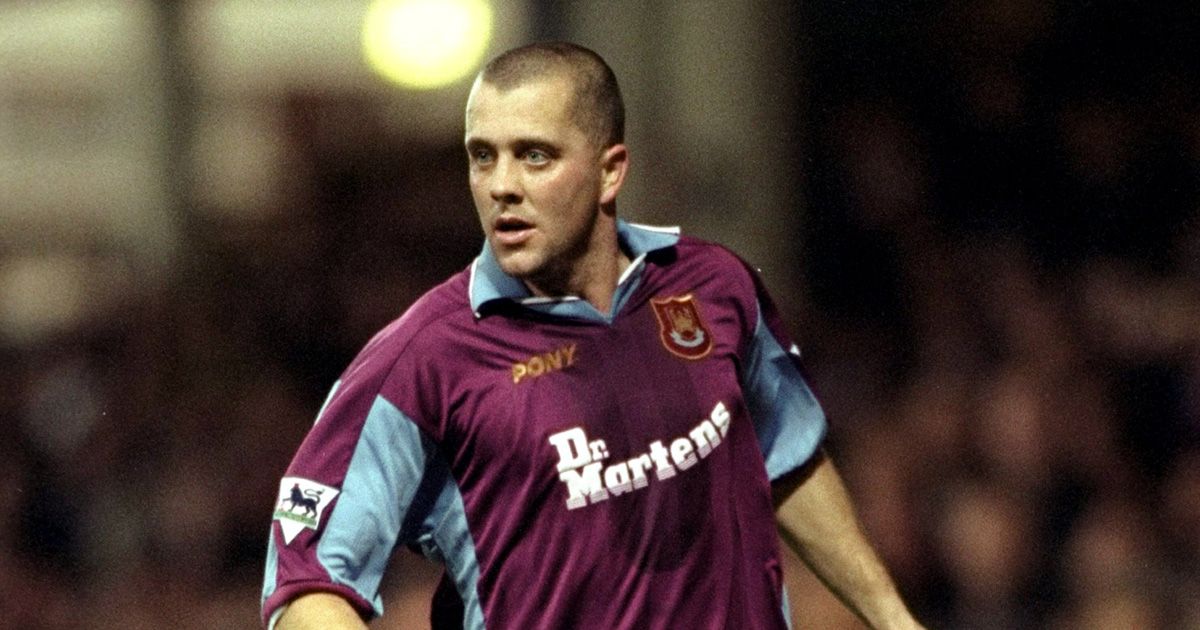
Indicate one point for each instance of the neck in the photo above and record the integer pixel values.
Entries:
(593, 276)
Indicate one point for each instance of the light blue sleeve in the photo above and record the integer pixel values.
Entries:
(385, 496)
(396, 464)
(788, 419)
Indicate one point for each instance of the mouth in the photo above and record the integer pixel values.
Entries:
(511, 230)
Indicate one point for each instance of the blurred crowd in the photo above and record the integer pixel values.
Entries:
(1001, 315)
(1003, 253)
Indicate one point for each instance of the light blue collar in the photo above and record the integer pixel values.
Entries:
(489, 282)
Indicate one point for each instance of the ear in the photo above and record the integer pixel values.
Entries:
(614, 163)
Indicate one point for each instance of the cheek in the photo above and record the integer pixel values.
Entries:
(479, 192)
(475, 181)
(570, 193)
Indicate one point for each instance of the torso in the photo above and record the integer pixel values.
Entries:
(609, 470)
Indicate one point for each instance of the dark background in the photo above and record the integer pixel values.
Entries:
(994, 252)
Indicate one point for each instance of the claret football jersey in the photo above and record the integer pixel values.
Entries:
(571, 468)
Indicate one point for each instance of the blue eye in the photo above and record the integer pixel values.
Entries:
(537, 157)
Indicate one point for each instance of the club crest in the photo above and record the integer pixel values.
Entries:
(300, 505)
(680, 327)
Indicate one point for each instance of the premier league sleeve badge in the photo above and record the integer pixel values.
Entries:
(301, 502)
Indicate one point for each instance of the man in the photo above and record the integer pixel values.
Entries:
(595, 425)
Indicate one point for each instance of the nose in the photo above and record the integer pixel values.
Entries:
(505, 184)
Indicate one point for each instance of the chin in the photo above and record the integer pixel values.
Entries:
(519, 266)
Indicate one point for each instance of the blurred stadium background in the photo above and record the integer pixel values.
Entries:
(980, 218)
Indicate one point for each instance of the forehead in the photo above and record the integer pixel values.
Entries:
(533, 108)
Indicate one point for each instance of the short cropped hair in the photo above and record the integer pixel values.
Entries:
(597, 109)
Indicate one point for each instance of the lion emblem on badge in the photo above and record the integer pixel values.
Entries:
(300, 504)
(681, 328)
(307, 499)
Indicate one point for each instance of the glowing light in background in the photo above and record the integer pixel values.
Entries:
(425, 44)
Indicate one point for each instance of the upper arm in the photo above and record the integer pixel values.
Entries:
(379, 474)
(786, 484)
(812, 506)
(318, 611)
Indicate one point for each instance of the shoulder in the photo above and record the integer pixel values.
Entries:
(396, 366)
(722, 284)
(423, 324)
(697, 250)
(716, 261)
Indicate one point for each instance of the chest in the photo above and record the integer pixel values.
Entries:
(544, 397)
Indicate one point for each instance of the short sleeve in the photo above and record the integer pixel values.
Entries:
(364, 479)
(788, 419)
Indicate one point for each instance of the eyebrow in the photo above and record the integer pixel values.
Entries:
(520, 145)
(476, 143)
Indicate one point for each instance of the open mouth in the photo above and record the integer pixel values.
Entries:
(511, 224)
(511, 230)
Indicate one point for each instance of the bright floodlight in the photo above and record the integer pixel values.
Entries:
(426, 43)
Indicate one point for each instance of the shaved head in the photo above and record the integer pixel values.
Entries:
(596, 107)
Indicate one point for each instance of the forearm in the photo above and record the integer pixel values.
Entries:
(319, 611)
(817, 520)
